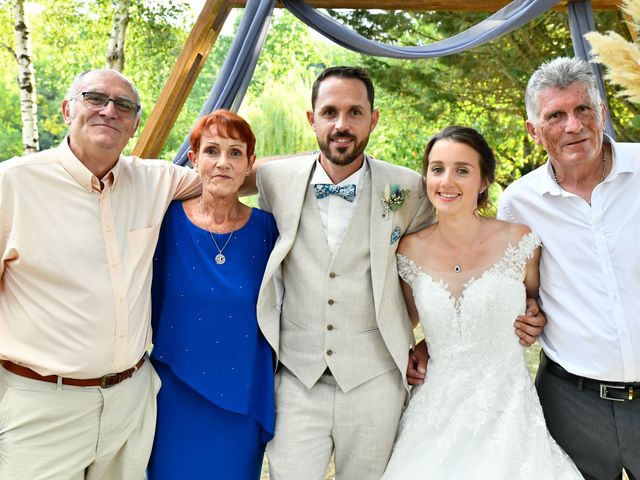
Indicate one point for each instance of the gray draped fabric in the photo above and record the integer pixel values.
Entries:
(505, 20)
(580, 22)
(237, 69)
(241, 60)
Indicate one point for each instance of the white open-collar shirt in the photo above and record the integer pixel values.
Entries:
(589, 266)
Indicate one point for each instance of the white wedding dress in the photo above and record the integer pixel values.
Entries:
(477, 416)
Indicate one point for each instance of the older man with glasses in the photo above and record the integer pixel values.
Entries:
(78, 228)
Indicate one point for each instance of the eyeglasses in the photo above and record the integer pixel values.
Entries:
(97, 99)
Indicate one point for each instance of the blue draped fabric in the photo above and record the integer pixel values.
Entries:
(241, 60)
(505, 20)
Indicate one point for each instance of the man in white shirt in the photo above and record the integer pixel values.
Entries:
(79, 225)
(584, 203)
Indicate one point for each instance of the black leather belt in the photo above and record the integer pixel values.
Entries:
(616, 391)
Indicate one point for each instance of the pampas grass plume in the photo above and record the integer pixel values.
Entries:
(632, 8)
(622, 58)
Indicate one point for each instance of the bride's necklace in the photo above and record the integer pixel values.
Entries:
(458, 259)
(219, 258)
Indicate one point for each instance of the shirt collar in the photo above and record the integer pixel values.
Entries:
(619, 165)
(548, 182)
(82, 174)
(320, 175)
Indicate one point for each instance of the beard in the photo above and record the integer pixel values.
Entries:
(342, 156)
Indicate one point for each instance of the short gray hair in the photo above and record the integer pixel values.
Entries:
(560, 73)
(77, 83)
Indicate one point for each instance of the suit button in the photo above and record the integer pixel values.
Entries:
(330, 302)
(329, 352)
(332, 275)
(329, 327)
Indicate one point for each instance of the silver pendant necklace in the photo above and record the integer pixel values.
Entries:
(219, 258)
(458, 268)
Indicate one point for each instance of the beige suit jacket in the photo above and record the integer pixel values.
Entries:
(282, 186)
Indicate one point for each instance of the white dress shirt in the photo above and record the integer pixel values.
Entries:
(589, 266)
(335, 211)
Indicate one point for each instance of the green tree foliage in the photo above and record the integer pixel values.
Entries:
(277, 116)
(10, 127)
(11, 136)
(72, 36)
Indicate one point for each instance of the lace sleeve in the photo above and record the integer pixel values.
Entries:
(407, 269)
(516, 258)
(526, 246)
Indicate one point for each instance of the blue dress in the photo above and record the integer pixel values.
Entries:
(216, 404)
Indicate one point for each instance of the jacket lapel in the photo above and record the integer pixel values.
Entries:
(296, 185)
(380, 233)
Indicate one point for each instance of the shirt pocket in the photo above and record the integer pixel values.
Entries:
(142, 245)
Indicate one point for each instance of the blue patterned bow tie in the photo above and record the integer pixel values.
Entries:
(348, 192)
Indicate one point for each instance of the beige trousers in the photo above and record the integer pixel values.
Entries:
(51, 432)
(359, 425)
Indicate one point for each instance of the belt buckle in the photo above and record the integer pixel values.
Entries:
(604, 392)
(109, 380)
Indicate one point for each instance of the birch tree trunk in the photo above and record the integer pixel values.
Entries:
(26, 80)
(115, 53)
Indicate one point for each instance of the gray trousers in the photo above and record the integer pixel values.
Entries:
(601, 436)
(359, 426)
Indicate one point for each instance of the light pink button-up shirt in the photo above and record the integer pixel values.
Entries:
(77, 259)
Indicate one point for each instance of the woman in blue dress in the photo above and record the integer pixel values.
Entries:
(215, 407)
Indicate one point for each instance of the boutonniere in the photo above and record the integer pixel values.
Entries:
(393, 198)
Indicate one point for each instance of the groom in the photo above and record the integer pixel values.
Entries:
(341, 329)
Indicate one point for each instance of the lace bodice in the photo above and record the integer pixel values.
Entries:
(477, 416)
(476, 325)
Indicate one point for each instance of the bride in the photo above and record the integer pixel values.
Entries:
(465, 278)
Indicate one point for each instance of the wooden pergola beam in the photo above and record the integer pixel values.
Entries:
(425, 5)
(182, 78)
(210, 22)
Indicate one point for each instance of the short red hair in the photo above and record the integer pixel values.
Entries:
(228, 125)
